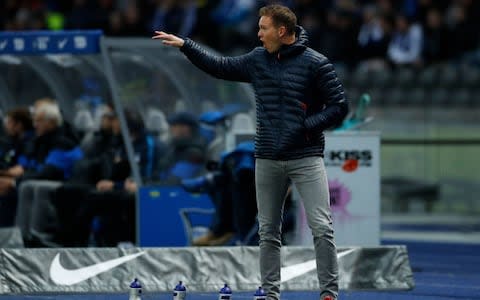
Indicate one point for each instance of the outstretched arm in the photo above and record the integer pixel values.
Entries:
(228, 68)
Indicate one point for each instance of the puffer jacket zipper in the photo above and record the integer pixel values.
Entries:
(282, 98)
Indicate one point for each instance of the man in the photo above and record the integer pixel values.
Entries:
(19, 130)
(110, 200)
(298, 96)
(186, 151)
(43, 167)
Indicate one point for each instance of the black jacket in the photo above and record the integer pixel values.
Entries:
(50, 157)
(298, 95)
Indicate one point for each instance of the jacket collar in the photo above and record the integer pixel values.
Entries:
(297, 47)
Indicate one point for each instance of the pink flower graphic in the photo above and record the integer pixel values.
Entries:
(340, 197)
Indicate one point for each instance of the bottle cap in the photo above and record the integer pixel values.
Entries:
(260, 292)
(135, 284)
(180, 287)
(226, 290)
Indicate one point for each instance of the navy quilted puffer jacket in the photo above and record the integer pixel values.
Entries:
(298, 95)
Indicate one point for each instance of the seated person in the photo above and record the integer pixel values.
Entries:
(110, 199)
(186, 150)
(48, 161)
(231, 187)
(19, 132)
(232, 191)
(66, 128)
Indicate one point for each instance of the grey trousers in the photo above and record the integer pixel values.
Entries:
(309, 176)
(36, 216)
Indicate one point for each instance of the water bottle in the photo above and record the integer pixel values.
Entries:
(135, 290)
(179, 292)
(260, 294)
(225, 293)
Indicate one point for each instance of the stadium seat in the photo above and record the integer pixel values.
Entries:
(415, 97)
(380, 78)
(460, 97)
(403, 78)
(448, 76)
(156, 123)
(403, 190)
(242, 122)
(469, 77)
(242, 128)
(427, 78)
(439, 96)
(83, 121)
(394, 96)
(475, 97)
(208, 105)
(181, 105)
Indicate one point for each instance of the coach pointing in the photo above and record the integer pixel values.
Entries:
(298, 96)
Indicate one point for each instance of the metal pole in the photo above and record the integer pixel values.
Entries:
(112, 82)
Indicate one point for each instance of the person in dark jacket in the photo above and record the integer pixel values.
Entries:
(19, 133)
(185, 153)
(102, 213)
(298, 96)
(49, 162)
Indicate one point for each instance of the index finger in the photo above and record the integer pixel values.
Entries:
(159, 34)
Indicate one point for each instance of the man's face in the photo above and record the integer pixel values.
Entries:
(42, 124)
(402, 24)
(106, 124)
(12, 128)
(268, 34)
(115, 125)
(178, 131)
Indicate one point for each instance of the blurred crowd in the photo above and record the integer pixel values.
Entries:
(64, 186)
(56, 182)
(367, 33)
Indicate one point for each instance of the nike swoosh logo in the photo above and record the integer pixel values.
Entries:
(293, 271)
(62, 276)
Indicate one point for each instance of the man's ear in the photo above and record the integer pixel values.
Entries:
(282, 30)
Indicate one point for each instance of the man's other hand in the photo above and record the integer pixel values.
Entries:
(130, 185)
(105, 185)
(6, 184)
(16, 171)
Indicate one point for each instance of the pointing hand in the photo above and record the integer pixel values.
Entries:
(168, 39)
